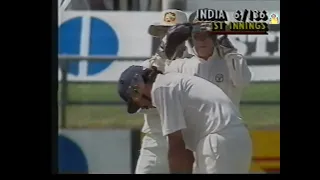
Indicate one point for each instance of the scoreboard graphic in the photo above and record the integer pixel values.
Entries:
(246, 21)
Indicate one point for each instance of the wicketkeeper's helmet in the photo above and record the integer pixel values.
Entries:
(221, 42)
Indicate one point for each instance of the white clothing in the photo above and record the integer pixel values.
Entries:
(237, 77)
(231, 74)
(210, 123)
(153, 157)
(153, 154)
(151, 116)
(225, 152)
(193, 105)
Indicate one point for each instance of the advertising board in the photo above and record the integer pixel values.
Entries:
(94, 151)
(111, 151)
(91, 33)
(266, 151)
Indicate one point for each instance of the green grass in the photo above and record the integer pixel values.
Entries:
(84, 116)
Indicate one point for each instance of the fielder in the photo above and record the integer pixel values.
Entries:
(196, 116)
(153, 153)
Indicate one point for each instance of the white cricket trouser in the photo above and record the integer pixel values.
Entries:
(226, 152)
(153, 157)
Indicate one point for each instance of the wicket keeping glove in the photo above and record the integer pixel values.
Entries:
(175, 36)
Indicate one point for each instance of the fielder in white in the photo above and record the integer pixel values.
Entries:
(153, 153)
(220, 64)
(196, 117)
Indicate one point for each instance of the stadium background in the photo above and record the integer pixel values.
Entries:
(91, 109)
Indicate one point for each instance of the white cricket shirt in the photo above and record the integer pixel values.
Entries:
(151, 117)
(231, 74)
(193, 105)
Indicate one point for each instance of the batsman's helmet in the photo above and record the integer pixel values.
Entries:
(127, 86)
(130, 82)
